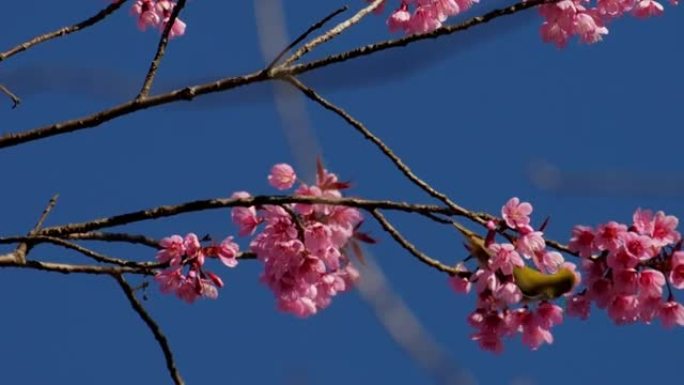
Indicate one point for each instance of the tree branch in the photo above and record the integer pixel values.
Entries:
(161, 49)
(188, 93)
(154, 328)
(63, 31)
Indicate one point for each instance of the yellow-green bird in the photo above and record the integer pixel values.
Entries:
(534, 284)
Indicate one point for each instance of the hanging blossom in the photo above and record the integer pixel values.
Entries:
(185, 275)
(304, 247)
(586, 19)
(628, 268)
(156, 14)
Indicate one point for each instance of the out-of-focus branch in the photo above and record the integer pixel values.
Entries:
(63, 31)
(154, 328)
(161, 49)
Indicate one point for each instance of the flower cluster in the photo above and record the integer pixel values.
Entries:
(418, 16)
(627, 268)
(563, 19)
(181, 252)
(156, 14)
(507, 288)
(304, 247)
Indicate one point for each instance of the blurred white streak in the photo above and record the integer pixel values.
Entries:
(273, 37)
(395, 316)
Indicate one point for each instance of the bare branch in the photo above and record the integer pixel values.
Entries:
(115, 237)
(387, 226)
(19, 254)
(338, 29)
(361, 128)
(219, 203)
(15, 99)
(303, 36)
(161, 49)
(154, 328)
(66, 268)
(63, 31)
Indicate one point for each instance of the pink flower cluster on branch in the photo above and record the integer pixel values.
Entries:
(628, 267)
(156, 14)
(188, 252)
(586, 19)
(305, 248)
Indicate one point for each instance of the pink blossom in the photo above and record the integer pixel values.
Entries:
(282, 176)
(169, 280)
(227, 252)
(172, 250)
(601, 291)
(193, 248)
(623, 309)
(648, 8)
(509, 293)
(244, 217)
(578, 306)
(643, 221)
(614, 8)
(516, 214)
(550, 261)
(640, 246)
(157, 13)
(622, 259)
(460, 284)
(651, 283)
(671, 314)
(608, 236)
(582, 241)
(664, 232)
(530, 241)
(533, 334)
(504, 258)
(677, 271)
(626, 281)
(549, 314)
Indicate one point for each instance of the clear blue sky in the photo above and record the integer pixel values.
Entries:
(468, 113)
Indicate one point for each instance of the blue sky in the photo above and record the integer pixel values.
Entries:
(469, 114)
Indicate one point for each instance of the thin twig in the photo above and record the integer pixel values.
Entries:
(338, 29)
(394, 233)
(63, 31)
(190, 92)
(161, 49)
(66, 268)
(154, 328)
(115, 237)
(219, 203)
(99, 257)
(19, 254)
(15, 99)
(304, 35)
